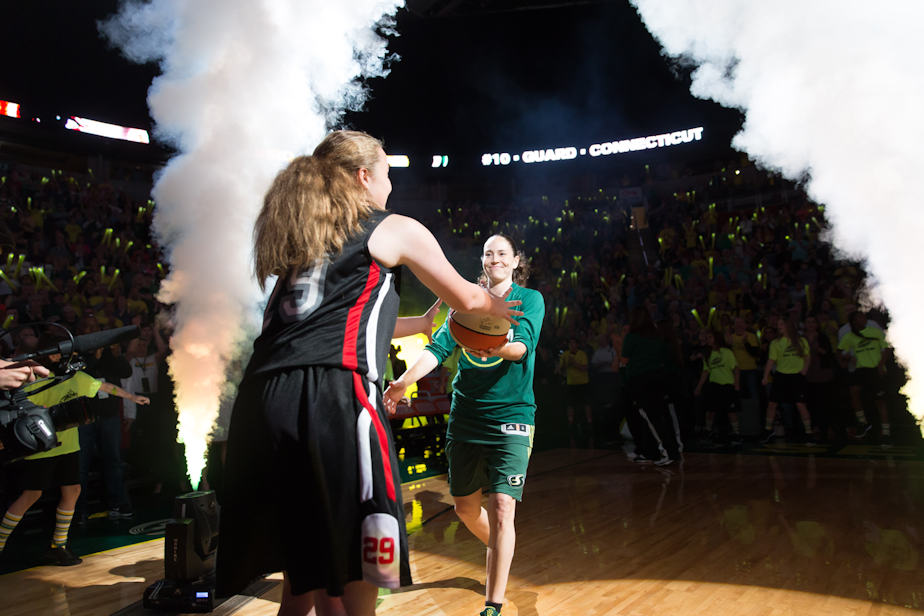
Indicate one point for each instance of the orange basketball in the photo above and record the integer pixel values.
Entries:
(477, 332)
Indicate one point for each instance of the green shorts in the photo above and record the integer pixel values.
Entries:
(497, 468)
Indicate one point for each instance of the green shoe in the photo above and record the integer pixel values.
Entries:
(489, 611)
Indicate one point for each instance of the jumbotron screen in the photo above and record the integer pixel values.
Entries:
(112, 131)
(8, 109)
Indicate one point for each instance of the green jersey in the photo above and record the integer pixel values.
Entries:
(867, 348)
(494, 398)
(787, 357)
(81, 384)
(721, 366)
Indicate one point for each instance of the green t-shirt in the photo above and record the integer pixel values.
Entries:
(492, 399)
(867, 348)
(644, 354)
(81, 384)
(787, 357)
(721, 366)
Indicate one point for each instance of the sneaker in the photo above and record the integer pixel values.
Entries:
(765, 436)
(121, 512)
(863, 430)
(642, 460)
(489, 611)
(708, 437)
(736, 439)
(664, 462)
(886, 441)
(63, 556)
(809, 440)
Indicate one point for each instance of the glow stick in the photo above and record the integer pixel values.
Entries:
(698, 320)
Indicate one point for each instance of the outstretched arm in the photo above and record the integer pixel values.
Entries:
(115, 390)
(399, 240)
(424, 324)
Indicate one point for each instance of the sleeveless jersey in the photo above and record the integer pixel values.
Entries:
(336, 313)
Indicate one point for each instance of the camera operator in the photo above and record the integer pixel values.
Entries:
(60, 466)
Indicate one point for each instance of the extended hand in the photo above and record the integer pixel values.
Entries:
(500, 307)
(393, 396)
(492, 352)
(141, 400)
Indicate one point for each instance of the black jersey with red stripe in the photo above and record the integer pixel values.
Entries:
(336, 313)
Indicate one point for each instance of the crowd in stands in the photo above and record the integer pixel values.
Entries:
(706, 269)
(84, 260)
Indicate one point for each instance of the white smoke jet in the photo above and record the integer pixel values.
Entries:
(833, 88)
(245, 85)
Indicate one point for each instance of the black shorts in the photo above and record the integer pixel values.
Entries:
(579, 395)
(721, 398)
(312, 485)
(788, 388)
(53, 472)
(869, 381)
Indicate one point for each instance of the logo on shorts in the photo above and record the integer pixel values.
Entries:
(515, 481)
(518, 429)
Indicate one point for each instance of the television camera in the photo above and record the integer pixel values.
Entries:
(25, 428)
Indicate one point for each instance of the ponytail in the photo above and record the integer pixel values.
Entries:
(314, 205)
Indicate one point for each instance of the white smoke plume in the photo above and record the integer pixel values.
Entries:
(832, 88)
(245, 85)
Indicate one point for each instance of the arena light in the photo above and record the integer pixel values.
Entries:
(102, 129)
(606, 148)
(439, 161)
(399, 161)
(8, 109)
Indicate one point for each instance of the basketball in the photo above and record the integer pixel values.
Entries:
(477, 332)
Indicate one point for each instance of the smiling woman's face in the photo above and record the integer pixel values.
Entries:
(498, 259)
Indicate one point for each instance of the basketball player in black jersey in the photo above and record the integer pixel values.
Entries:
(312, 482)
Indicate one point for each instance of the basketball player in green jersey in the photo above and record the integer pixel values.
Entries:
(492, 419)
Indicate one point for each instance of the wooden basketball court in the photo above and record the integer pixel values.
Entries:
(721, 534)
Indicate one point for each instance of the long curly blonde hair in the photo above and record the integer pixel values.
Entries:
(314, 205)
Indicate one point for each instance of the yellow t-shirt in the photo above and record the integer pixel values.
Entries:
(574, 375)
(787, 357)
(867, 347)
(746, 361)
(137, 306)
(81, 384)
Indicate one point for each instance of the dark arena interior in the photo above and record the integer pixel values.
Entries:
(564, 125)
